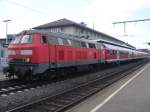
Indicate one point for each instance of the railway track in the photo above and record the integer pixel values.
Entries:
(9, 87)
(17, 87)
(4, 83)
(66, 99)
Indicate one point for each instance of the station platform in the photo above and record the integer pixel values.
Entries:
(130, 94)
(2, 76)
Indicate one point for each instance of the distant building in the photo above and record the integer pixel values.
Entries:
(144, 50)
(11, 37)
(3, 50)
(79, 29)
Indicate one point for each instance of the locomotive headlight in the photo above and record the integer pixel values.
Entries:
(28, 60)
(26, 52)
(11, 52)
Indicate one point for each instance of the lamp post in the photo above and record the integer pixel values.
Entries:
(6, 21)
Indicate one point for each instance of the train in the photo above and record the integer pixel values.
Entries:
(38, 53)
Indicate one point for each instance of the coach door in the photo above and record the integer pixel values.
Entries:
(118, 54)
(103, 53)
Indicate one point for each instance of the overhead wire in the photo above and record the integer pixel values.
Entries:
(92, 5)
(26, 7)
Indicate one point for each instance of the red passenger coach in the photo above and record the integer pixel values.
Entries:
(36, 53)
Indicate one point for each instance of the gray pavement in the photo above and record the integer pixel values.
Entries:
(135, 97)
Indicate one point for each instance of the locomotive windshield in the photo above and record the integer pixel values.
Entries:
(17, 40)
(26, 39)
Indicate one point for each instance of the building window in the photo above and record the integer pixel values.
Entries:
(62, 29)
(82, 30)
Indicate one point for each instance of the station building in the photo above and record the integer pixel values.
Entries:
(79, 30)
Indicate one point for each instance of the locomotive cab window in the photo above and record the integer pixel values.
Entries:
(27, 39)
(17, 40)
(43, 39)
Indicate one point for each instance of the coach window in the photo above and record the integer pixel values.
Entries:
(91, 45)
(83, 44)
(43, 39)
(53, 41)
(115, 53)
(110, 52)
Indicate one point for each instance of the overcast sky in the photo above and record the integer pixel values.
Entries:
(26, 14)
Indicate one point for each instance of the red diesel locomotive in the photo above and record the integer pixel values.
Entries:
(34, 53)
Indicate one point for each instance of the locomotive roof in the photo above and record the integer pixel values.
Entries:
(72, 37)
(58, 35)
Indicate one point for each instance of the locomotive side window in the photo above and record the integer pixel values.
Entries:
(75, 43)
(65, 42)
(69, 41)
(53, 41)
(91, 45)
(98, 46)
(60, 41)
(43, 39)
(83, 44)
(26, 39)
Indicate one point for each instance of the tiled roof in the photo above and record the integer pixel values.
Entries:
(61, 22)
(66, 22)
